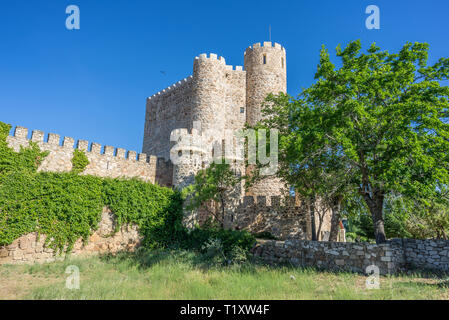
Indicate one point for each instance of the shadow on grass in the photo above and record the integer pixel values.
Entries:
(145, 258)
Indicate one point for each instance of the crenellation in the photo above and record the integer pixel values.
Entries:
(132, 155)
(142, 157)
(21, 132)
(267, 44)
(82, 145)
(68, 142)
(95, 148)
(37, 136)
(53, 139)
(109, 151)
(121, 153)
(152, 160)
(104, 164)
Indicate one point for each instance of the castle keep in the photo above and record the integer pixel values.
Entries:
(217, 97)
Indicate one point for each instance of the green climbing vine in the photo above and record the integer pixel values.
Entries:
(68, 206)
(79, 161)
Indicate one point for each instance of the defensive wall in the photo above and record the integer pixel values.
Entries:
(104, 162)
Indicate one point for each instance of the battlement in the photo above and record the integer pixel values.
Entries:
(266, 44)
(54, 140)
(220, 60)
(276, 202)
(282, 217)
(107, 161)
(171, 88)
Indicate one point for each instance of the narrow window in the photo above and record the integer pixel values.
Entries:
(282, 63)
(264, 59)
(242, 110)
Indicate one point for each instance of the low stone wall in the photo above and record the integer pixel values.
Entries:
(30, 248)
(424, 254)
(391, 257)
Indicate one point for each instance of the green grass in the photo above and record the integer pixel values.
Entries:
(183, 275)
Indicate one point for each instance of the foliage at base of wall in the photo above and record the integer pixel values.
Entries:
(68, 206)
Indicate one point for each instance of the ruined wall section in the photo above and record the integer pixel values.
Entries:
(108, 162)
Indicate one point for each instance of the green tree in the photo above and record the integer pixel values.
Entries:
(384, 118)
(215, 183)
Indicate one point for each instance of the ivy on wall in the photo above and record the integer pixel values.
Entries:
(68, 206)
(79, 161)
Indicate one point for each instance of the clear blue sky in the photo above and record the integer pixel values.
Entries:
(92, 83)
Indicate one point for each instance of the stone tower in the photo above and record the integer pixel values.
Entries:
(216, 99)
(266, 72)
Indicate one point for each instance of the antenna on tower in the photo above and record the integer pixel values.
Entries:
(269, 31)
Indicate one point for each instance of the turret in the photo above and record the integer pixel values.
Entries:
(266, 72)
(209, 92)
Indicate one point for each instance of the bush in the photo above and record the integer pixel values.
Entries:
(231, 240)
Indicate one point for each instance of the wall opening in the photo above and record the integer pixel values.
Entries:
(264, 59)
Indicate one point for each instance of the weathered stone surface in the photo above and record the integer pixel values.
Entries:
(126, 239)
(390, 257)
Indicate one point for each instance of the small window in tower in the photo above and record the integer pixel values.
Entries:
(242, 110)
(264, 59)
(282, 63)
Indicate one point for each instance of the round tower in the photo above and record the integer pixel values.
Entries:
(209, 93)
(266, 72)
(187, 156)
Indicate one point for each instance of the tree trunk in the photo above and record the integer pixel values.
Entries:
(375, 205)
(312, 216)
(335, 219)
(222, 212)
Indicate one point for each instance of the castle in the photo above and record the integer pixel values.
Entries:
(215, 99)
(218, 98)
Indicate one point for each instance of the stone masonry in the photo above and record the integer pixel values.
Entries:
(30, 248)
(203, 108)
(215, 100)
(110, 162)
(394, 256)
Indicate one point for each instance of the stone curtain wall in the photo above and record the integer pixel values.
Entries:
(391, 257)
(30, 248)
(167, 110)
(111, 162)
(282, 217)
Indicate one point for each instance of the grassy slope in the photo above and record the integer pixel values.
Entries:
(177, 275)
